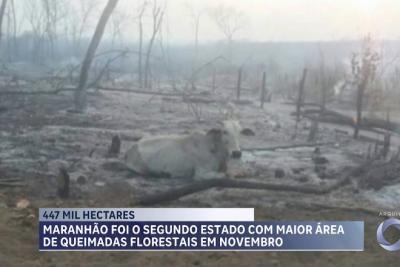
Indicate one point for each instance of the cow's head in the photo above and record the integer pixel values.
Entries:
(225, 139)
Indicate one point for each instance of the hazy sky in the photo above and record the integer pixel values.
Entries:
(274, 20)
(264, 20)
(297, 19)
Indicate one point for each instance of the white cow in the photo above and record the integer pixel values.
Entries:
(197, 155)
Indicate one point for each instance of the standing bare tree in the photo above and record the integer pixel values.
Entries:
(157, 16)
(33, 12)
(80, 92)
(2, 12)
(12, 44)
(229, 20)
(14, 19)
(363, 67)
(117, 21)
(54, 12)
(326, 79)
(80, 22)
(142, 9)
(196, 14)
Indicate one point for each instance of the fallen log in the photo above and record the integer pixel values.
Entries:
(187, 98)
(273, 148)
(98, 88)
(143, 92)
(305, 104)
(6, 180)
(36, 92)
(198, 186)
(12, 184)
(324, 207)
(198, 100)
(369, 124)
(370, 140)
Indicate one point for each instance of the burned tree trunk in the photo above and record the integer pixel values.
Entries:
(263, 88)
(300, 100)
(214, 79)
(198, 186)
(323, 97)
(158, 15)
(80, 93)
(63, 181)
(312, 135)
(140, 70)
(360, 97)
(115, 146)
(140, 52)
(364, 71)
(239, 84)
(300, 97)
(386, 145)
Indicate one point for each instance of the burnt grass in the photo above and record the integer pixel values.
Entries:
(38, 135)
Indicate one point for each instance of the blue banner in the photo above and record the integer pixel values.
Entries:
(267, 235)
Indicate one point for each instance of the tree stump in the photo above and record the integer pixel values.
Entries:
(63, 183)
(115, 146)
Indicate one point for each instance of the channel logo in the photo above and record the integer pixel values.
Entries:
(392, 222)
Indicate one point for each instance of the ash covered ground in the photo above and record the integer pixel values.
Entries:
(39, 135)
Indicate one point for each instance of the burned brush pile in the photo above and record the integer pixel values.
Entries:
(379, 174)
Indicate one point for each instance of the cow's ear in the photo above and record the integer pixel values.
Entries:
(215, 132)
(216, 137)
(247, 132)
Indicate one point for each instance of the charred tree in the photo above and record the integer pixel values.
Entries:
(239, 84)
(300, 100)
(140, 48)
(214, 78)
(198, 186)
(196, 14)
(158, 14)
(313, 131)
(363, 69)
(300, 97)
(12, 32)
(115, 146)
(263, 89)
(80, 93)
(229, 20)
(2, 12)
(386, 145)
(360, 96)
(63, 181)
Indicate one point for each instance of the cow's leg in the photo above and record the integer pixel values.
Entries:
(134, 161)
(202, 174)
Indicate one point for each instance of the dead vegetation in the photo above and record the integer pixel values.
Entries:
(64, 133)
